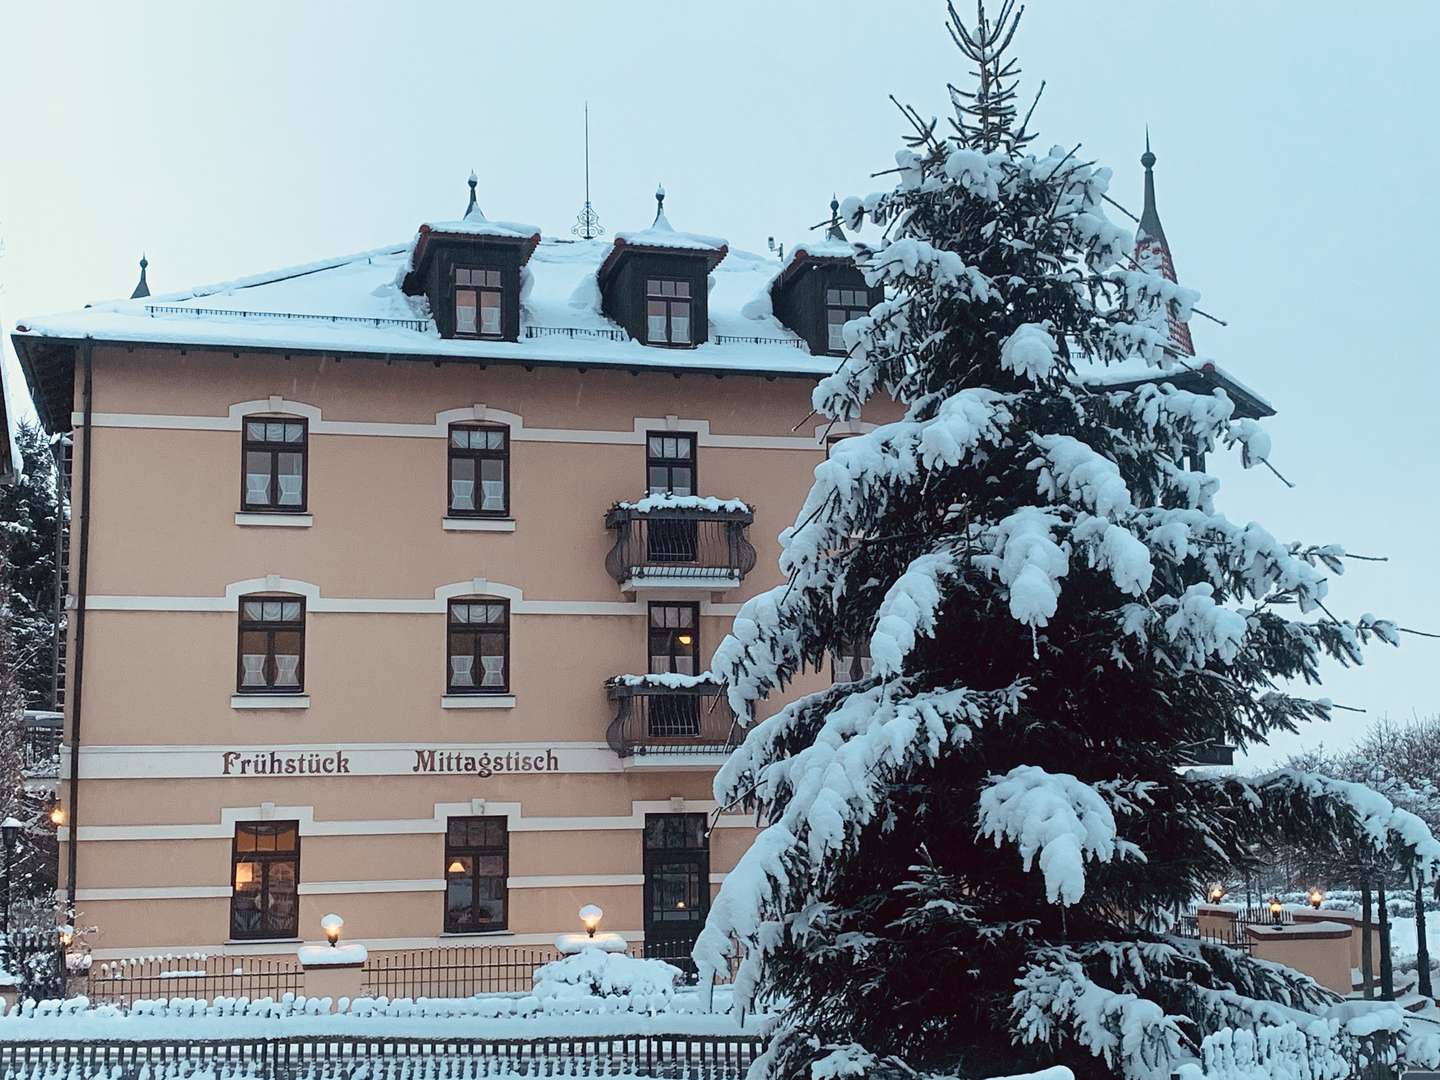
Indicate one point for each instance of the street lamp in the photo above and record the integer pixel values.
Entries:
(1276, 907)
(1316, 898)
(332, 924)
(1217, 893)
(590, 916)
(57, 815)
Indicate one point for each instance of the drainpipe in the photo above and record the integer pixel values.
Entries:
(76, 678)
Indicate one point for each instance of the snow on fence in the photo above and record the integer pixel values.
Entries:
(123, 982)
(701, 1057)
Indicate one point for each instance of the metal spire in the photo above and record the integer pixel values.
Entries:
(1152, 250)
(142, 287)
(472, 208)
(835, 232)
(587, 223)
(659, 204)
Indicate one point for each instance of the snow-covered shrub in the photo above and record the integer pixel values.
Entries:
(644, 985)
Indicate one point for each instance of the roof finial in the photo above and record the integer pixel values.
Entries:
(1147, 158)
(142, 287)
(587, 223)
(659, 203)
(472, 208)
(835, 232)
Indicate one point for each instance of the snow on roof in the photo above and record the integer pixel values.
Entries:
(1129, 374)
(477, 224)
(353, 304)
(662, 235)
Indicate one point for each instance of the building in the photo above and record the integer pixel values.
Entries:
(9, 449)
(394, 579)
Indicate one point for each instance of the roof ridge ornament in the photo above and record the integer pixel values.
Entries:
(661, 221)
(142, 287)
(834, 232)
(473, 208)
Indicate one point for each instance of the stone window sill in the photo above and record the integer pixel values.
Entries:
(288, 521)
(477, 701)
(465, 524)
(269, 701)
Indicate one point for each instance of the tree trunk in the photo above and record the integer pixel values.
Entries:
(1422, 947)
(1367, 947)
(1387, 965)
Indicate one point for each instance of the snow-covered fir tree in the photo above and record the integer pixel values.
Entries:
(974, 854)
(30, 514)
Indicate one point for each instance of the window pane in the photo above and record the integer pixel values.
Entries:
(462, 665)
(290, 610)
(255, 431)
(490, 313)
(680, 483)
(655, 321)
(290, 469)
(459, 893)
(680, 324)
(462, 483)
(287, 658)
(465, 311)
(492, 484)
(495, 440)
(257, 477)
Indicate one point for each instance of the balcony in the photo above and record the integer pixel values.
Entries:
(680, 542)
(670, 720)
(44, 732)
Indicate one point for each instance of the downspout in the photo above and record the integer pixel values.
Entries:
(76, 678)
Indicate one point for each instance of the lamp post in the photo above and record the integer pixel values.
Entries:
(1276, 908)
(332, 924)
(590, 916)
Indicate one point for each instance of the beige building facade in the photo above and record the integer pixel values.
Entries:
(394, 582)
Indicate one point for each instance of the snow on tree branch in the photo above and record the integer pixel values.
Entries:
(908, 611)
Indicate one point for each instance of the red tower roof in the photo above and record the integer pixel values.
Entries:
(1152, 250)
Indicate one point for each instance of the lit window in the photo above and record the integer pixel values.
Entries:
(479, 471)
(477, 856)
(272, 645)
(264, 880)
(478, 650)
(478, 297)
(275, 451)
(841, 306)
(667, 312)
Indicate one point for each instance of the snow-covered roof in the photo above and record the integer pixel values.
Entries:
(9, 442)
(353, 304)
(663, 236)
(1188, 373)
(824, 249)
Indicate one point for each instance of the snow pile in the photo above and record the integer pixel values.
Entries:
(670, 680)
(351, 954)
(703, 503)
(629, 983)
(1055, 815)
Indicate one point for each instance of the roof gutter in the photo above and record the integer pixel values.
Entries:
(77, 679)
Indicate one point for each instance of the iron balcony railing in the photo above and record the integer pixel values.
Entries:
(696, 545)
(669, 715)
(602, 333)
(746, 339)
(44, 733)
(287, 316)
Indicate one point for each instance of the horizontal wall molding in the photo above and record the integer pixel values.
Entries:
(516, 821)
(351, 888)
(439, 427)
(436, 604)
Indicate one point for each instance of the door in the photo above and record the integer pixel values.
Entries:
(677, 885)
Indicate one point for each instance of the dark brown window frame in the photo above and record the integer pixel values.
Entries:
(452, 627)
(264, 858)
(478, 290)
(670, 464)
(670, 303)
(656, 857)
(851, 312)
(652, 631)
(265, 446)
(269, 627)
(459, 851)
(455, 453)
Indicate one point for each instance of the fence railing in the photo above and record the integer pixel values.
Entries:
(602, 333)
(746, 339)
(691, 544)
(657, 719)
(123, 982)
(456, 970)
(287, 316)
(702, 1057)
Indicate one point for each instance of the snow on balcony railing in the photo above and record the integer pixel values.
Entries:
(603, 333)
(685, 539)
(293, 316)
(670, 714)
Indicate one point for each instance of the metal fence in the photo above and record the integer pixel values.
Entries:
(694, 1057)
(123, 982)
(700, 544)
(456, 971)
(656, 719)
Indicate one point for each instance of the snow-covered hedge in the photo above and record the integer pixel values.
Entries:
(630, 983)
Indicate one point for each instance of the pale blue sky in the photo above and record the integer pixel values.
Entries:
(1296, 168)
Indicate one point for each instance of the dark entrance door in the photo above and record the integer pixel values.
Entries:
(677, 885)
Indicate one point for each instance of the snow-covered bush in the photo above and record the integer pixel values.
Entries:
(645, 985)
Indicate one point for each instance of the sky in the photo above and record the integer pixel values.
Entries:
(1295, 183)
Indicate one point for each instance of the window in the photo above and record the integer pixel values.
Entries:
(479, 471)
(667, 312)
(264, 878)
(478, 296)
(674, 649)
(479, 647)
(275, 453)
(272, 645)
(670, 463)
(677, 882)
(852, 662)
(842, 305)
(477, 862)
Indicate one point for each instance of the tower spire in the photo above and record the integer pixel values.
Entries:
(1152, 250)
(473, 207)
(142, 287)
(834, 232)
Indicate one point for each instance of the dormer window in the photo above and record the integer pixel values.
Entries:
(667, 312)
(842, 305)
(479, 302)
